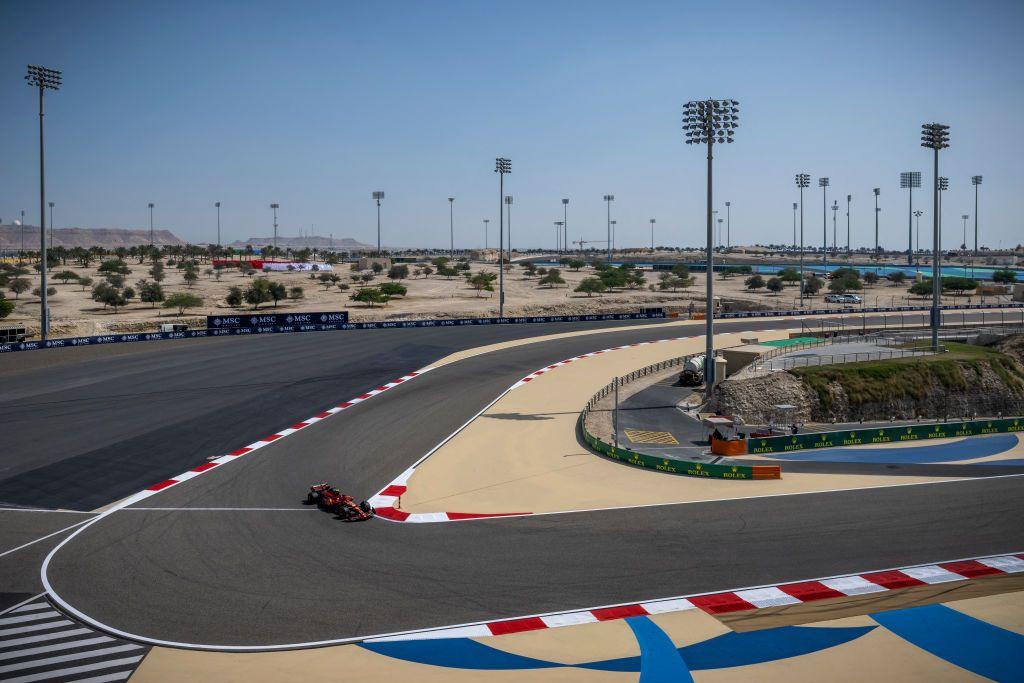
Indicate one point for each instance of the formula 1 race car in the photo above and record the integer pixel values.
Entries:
(331, 499)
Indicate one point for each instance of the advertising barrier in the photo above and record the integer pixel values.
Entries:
(864, 309)
(218, 322)
(691, 469)
(882, 435)
(265, 324)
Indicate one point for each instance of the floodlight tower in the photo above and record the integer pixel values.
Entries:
(378, 195)
(728, 225)
(274, 207)
(608, 199)
(963, 245)
(707, 122)
(803, 180)
(151, 226)
(943, 186)
(794, 225)
(558, 235)
(486, 221)
(44, 79)
(652, 235)
(508, 221)
(877, 191)
(217, 204)
(501, 167)
(917, 231)
(909, 180)
(849, 198)
(976, 181)
(718, 230)
(823, 184)
(935, 136)
(451, 227)
(51, 224)
(614, 223)
(565, 224)
(835, 209)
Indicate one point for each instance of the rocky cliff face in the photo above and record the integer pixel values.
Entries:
(12, 237)
(952, 388)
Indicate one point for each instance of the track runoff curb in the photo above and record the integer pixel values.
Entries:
(740, 600)
(387, 501)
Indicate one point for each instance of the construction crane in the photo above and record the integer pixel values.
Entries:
(582, 242)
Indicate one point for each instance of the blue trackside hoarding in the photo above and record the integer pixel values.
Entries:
(282, 323)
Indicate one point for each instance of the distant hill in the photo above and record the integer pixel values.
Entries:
(109, 238)
(309, 241)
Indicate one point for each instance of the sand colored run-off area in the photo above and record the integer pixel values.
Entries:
(523, 453)
(708, 647)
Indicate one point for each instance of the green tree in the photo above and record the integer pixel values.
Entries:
(530, 269)
(65, 275)
(366, 277)
(399, 272)
(257, 292)
(157, 271)
(482, 282)
(447, 272)
(393, 289)
(85, 282)
(115, 280)
(234, 297)
(440, 262)
(325, 280)
(553, 277)
(114, 266)
(896, 277)
(19, 285)
(958, 285)
(1004, 277)
(755, 282)
(50, 291)
(612, 278)
(575, 264)
(591, 285)
(297, 292)
(277, 291)
(6, 306)
(343, 286)
(370, 295)
(813, 285)
(774, 284)
(190, 275)
(183, 300)
(377, 267)
(789, 275)
(150, 292)
(922, 288)
(427, 271)
(870, 277)
(681, 270)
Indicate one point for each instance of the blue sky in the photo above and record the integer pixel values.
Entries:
(316, 104)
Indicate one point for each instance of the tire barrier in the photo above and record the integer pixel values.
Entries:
(882, 435)
(683, 467)
(269, 327)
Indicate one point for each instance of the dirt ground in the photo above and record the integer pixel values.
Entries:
(74, 313)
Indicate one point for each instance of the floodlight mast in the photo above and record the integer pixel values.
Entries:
(151, 226)
(877, 191)
(976, 181)
(823, 184)
(378, 195)
(728, 226)
(794, 225)
(802, 180)
(910, 180)
(217, 205)
(707, 122)
(652, 234)
(44, 79)
(964, 218)
(501, 167)
(274, 207)
(608, 199)
(451, 227)
(935, 136)
(835, 210)
(508, 222)
(917, 232)
(849, 198)
(565, 224)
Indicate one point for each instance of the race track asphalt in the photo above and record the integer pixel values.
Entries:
(274, 577)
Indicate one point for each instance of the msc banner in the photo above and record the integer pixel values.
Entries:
(220, 322)
(691, 469)
(282, 323)
(864, 437)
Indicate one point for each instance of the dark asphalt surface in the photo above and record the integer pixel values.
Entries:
(276, 577)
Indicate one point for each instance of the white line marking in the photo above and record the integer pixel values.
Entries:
(46, 636)
(24, 618)
(57, 646)
(147, 509)
(32, 608)
(35, 627)
(43, 538)
(24, 605)
(60, 659)
(58, 673)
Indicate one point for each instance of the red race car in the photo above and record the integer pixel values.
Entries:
(331, 499)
